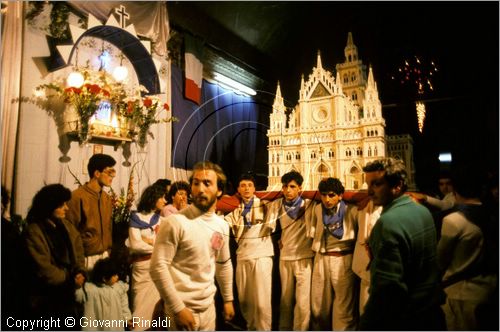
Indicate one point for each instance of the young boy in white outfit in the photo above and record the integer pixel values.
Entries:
(254, 256)
(333, 283)
(294, 215)
(191, 248)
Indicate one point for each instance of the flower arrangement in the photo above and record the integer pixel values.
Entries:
(122, 204)
(144, 112)
(131, 104)
(86, 101)
(85, 98)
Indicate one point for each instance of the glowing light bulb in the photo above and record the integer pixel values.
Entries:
(120, 73)
(75, 79)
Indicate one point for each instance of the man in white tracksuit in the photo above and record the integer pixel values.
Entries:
(294, 215)
(190, 249)
(333, 300)
(254, 256)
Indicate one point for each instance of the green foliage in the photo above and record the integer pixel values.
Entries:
(58, 26)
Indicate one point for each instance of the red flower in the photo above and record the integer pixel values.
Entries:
(94, 88)
(166, 107)
(106, 93)
(130, 107)
(148, 102)
(72, 89)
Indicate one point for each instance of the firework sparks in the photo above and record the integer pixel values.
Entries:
(420, 115)
(417, 72)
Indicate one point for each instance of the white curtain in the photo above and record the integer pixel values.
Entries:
(179, 174)
(150, 18)
(12, 40)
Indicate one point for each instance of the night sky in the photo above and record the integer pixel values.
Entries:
(462, 40)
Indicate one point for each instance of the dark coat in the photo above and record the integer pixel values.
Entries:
(55, 254)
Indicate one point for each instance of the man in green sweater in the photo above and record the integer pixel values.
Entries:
(405, 282)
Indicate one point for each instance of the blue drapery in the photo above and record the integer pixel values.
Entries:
(227, 128)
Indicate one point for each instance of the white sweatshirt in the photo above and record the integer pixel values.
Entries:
(136, 236)
(254, 242)
(295, 234)
(189, 250)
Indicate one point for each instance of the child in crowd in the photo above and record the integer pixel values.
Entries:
(105, 300)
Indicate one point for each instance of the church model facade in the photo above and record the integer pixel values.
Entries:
(335, 129)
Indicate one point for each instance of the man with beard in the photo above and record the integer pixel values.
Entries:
(191, 247)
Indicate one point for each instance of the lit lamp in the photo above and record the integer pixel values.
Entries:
(120, 73)
(233, 85)
(75, 79)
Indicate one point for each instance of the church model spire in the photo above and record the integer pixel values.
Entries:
(278, 116)
(350, 51)
(352, 73)
(279, 104)
(318, 61)
(338, 85)
(371, 105)
(371, 81)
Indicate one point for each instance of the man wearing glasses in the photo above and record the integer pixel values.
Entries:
(333, 282)
(90, 209)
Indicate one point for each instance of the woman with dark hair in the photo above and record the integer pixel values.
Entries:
(164, 183)
(177, 198)
(56, 252)
(144, 225)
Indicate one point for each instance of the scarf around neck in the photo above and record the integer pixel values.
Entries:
(136, 222)
(334, 222)
(246, 210)
(293, 208)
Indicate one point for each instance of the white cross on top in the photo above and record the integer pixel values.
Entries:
(123, 15)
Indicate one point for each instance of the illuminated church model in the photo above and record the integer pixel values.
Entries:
(335, 129)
